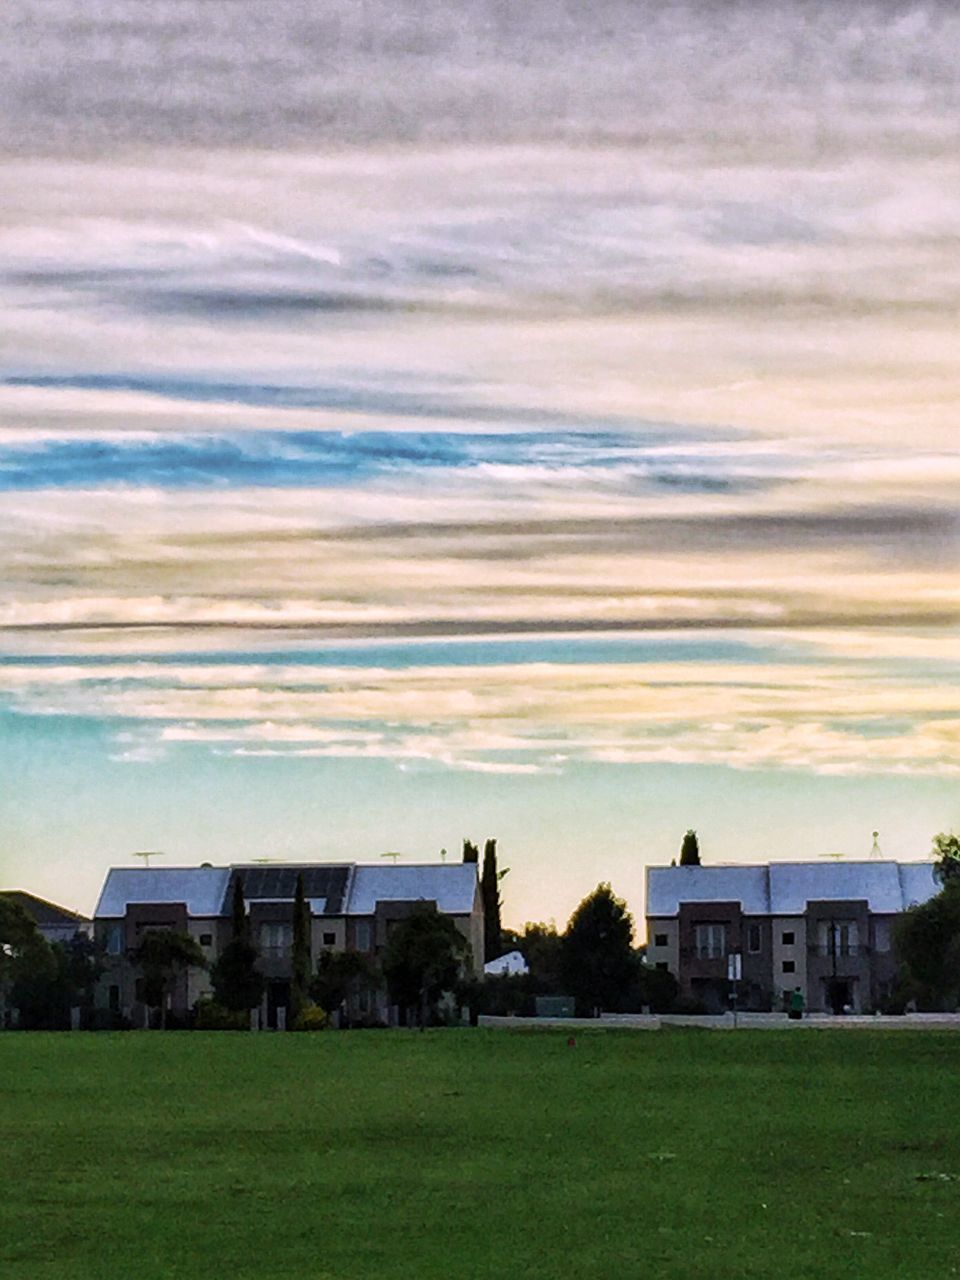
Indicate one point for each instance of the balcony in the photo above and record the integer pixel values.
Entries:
(839, 952)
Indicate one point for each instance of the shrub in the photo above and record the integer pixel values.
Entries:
(311, 1018)
(211, 1016)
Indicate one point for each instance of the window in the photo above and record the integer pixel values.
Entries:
(361, 935)
(789, 966)
(276, 939)
(881, 935)
(662, 964)
(711, 941)
(838, 937)
(659, 939)
(754, 938)
(114, 939)
(114, 999)
(788, 938)
(329, 939)
(206, 939)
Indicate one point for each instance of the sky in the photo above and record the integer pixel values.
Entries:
(423, 421)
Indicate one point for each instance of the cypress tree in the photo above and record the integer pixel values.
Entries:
(690, 850)
(490, 893)
(239, 918)
(470, 852)
(300, 967)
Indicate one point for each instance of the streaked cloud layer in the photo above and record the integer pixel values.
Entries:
(463, 392)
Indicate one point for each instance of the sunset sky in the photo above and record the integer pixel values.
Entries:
(425, 420)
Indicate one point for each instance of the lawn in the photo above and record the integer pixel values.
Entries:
(480, 1155)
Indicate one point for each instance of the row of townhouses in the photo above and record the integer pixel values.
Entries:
(353, 907)
(826, 929)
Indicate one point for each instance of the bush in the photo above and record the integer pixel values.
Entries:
(211, 1016)
(107, 1020)
(311, 1018)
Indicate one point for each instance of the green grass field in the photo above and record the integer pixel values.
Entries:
(464, 1155)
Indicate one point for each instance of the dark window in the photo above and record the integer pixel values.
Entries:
(329, 939)
(659, 939)
(789, 966)
(753, 938)
(788, 938)
(662, 964)
(138, 988)
(206, 939)
(114, 999)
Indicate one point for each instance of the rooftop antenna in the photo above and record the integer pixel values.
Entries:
(837, 857)
(147, 854)
(394, 856)
(875, 853)
(443, 855)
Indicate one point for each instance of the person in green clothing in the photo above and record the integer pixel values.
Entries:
(796, 1004)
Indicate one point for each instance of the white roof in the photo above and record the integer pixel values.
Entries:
(202, 889)
(512, 962)
(452, 886)
(917, 882)
(785, 888)
(794, 884)
(667, 887)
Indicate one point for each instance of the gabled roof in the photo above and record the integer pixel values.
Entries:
(667, 887)
(202, 889)
(794, 884)
(452, 886)
(785, 888)
(42, 911)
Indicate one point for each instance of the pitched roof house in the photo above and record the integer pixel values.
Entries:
(352, 907)
(826, 928)
(56, 924)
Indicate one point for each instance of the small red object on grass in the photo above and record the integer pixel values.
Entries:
(571, 1041)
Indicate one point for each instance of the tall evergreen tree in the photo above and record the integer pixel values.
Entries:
(690, 850)
(238, 913)
(470, 852)
(300, 962)
(237, 982)
(490, 893)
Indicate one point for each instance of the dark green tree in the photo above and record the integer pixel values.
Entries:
(928, 944)
(237, 982)
(239, 920)
(470, 852)
(542, 948)
(163, 955)
(425, 956)
(946, 852)
(598, 964)
(690, 850)
(18, 932)
(28, 968)
(490, 893)
(300, 960)
(340, 975)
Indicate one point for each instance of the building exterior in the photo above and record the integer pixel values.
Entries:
(353, 907)
(56, 924)
(826, 928)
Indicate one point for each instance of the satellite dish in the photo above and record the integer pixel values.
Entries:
(147, 854)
